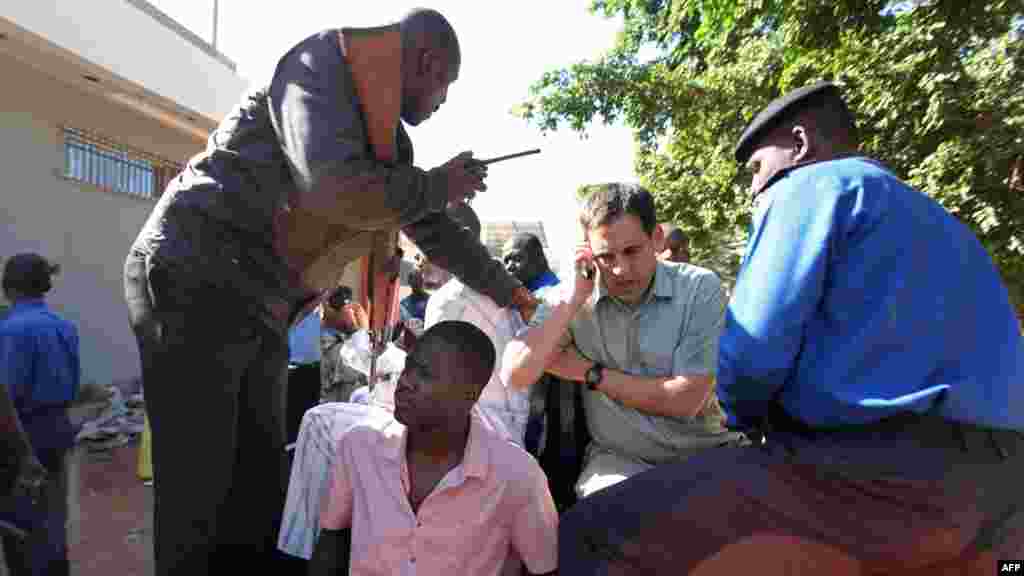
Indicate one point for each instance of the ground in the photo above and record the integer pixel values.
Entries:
(116, 517)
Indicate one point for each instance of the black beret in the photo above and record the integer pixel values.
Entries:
(775, 113)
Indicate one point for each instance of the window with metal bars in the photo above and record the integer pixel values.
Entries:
(103, 163)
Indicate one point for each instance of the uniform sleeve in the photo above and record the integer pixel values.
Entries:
(324, 142)
(779, 288)
(535, 526)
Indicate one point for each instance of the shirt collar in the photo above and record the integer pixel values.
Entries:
(546, 279)
(28, 303)
(662, 288)
(475, 460)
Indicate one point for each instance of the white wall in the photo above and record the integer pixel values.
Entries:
(86, 230)
(131, 44)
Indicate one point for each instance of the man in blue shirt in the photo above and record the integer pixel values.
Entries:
(871, 347)
(39, 364)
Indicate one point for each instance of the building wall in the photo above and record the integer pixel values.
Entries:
(126, 40)
(86, 230)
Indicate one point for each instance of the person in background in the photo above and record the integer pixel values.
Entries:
(414, 306)
(677, 246)
(341, 317)
(504, 409)
(40, 367)
(523, 256)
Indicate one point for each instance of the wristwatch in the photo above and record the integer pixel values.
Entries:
(593, 376)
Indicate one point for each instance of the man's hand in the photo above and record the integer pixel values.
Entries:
(586, 275)
(31, 479)
(465, 177)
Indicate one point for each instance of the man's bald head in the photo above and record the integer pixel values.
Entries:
(431, 59)
(424, 28)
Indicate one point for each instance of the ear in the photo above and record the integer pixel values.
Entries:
(802, 144)
(431, 64)
(658, 236)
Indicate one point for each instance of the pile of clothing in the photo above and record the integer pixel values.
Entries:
(112, 421)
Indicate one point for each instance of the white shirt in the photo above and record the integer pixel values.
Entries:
(456, 301)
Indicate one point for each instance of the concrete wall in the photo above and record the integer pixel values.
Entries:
(85, 229)
(133, 45)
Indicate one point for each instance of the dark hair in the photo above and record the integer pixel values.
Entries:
(677, 235)
(467, 340)
(340, 297)
(426, 28)
(29, 274)
(609, 202)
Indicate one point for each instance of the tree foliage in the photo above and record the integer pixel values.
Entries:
(936, 87)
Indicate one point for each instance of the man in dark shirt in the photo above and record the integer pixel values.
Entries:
(304, 176)
(39, 365)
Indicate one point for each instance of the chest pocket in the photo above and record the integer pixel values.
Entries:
(656, 339)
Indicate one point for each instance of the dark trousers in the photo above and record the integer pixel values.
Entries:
(45, 551)
(303, 394)
(907, 496)
(214, 387)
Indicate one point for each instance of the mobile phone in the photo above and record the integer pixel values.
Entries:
(587, 271)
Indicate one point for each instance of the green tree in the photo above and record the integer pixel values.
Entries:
(935, 86)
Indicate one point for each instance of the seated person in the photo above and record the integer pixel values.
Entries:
(341, 317)
(432, 487)
(505, 409)
(556, 431)
(646, 344)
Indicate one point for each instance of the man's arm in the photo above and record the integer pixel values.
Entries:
(779, 288)
(454, 248)
(332, 552)
(532, 352)
(535, 526)
(674, 396)
(325, 144)
(681, 394)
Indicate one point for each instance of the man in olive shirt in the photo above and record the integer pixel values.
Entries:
(646, 344)
(212, 286)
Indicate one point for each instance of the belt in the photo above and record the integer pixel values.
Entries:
(930, 428)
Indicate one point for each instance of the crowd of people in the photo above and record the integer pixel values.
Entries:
(849, 407)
